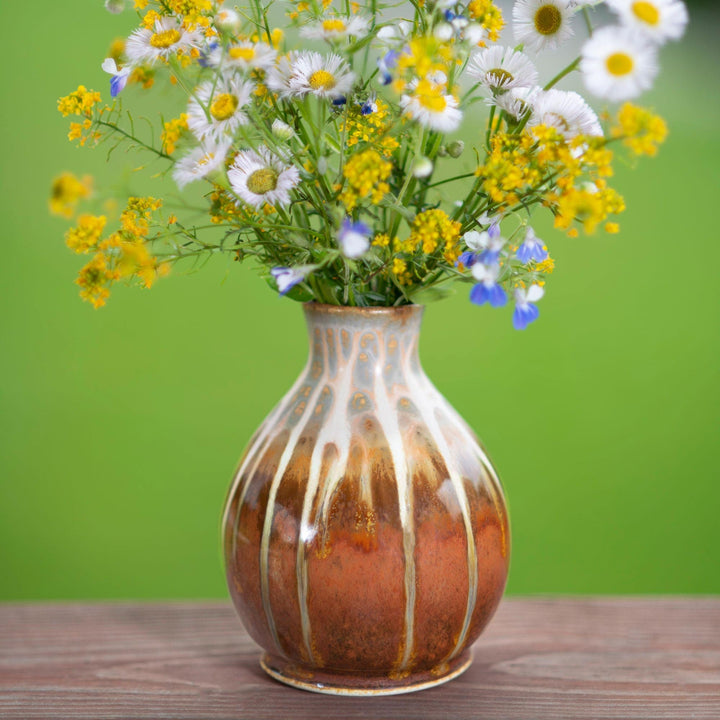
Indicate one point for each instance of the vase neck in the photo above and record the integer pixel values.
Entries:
(382, 339)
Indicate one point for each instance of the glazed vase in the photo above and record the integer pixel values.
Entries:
(365, 533)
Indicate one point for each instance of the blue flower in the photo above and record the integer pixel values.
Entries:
(354, 238)
(531, 249)
(525, 309)
(487, 290)
(467, 258)
(339, 101)
(119, 77)
(204, 59)
(386, 64)
(483, 247)
(287, 278)
(369, 106)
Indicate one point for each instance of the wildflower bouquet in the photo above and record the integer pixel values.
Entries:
(327, 135)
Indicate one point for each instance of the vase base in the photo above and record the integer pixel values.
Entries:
(328, 683)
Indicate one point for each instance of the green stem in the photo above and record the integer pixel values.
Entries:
(114, 127)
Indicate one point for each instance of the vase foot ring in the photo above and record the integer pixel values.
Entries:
(338, 684)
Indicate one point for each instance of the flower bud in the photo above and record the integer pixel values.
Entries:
(475, 33)
(444, 32)
(455, 148)
(115, 6)
(282, 130)
(228, 20)
(422, 167)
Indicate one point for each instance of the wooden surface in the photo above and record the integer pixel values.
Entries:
(540, 658)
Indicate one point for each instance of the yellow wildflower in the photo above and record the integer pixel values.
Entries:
(426, 56)
(117, 50)
(545, 267)
(80, 102)
(641, 130)
(366, 174)
(223, 207)
(86, 235)
(487, 14)
(135, 219)
(433, 229)
(67, 190)
(382, 240)
(144, 76)
(401, 271)
(172, 131)
(590, 207)
(141, 4)
(149, 19)
(192, 12)
(135, 260)
(95, 280)
(370, 128)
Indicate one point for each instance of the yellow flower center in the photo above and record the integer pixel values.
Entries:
(242, 53)
(647, 12)
(322, 80)
(224, 106)
(547, 20)
(262, 181)
(430, 96)
(165, 39)
(334, 25)
(435, 103)
(558, 121)
(619, 64)
(499, 77)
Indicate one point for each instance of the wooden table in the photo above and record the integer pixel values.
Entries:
(540, 658)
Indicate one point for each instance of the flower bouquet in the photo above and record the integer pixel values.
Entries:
(327, 141)
(363, 156)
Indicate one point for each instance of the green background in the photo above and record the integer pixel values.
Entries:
(121, 427)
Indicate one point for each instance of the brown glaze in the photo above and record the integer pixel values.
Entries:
(366, 536)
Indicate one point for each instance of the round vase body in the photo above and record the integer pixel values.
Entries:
(366, 536)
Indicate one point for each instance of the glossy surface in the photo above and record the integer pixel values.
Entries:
(365, 533)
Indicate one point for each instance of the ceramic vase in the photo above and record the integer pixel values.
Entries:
(365, 533)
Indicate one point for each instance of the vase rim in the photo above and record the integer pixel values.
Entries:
(317, 308)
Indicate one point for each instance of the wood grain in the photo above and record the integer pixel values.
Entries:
(540, 658)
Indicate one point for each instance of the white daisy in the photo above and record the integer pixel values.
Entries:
(501, 69)
(541, 24)
(337, 28)
(261, 177)
(244, 56)
(430, 106)
(166, 38)
(224, 101)
(617, 63)
(200, 162)
(517, 102)
(327, 76)
(660, 20)
(278, 77)
(567, 112)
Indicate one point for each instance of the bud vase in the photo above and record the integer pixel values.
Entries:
(365, 533)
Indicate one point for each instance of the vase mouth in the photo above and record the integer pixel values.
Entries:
(316, 308)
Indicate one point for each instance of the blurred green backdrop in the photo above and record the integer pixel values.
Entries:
(121, 427)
